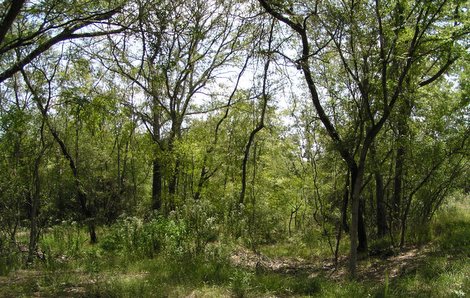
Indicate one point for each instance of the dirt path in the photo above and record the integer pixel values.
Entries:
(372, 268)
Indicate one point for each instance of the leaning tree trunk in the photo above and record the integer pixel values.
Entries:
(260, 124)
(86, 210)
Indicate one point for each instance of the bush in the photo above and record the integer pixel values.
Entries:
(133, 237)
(10, 257)
(65, 239)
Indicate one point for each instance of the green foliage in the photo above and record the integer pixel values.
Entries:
(451, 227)
(10, 258)
(158, 91)
(135, 239)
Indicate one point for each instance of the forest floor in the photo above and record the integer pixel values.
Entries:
(437, 268)
(371, 269)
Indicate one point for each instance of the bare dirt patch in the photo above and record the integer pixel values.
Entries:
(257, 261)
(371, 269)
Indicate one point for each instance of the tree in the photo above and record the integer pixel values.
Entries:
(28, 29)
(366, 42)
(260, 125)
(184, 44)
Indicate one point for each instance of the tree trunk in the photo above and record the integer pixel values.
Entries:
(92, 231)
(175, 134)
(380, 205)
(397, 186)
(35, 203)
(156, 166)
(344, 208)
(8, 18)
(241, 199)
(361, 229)
(81, 194)
(403, 222)
(356, 181)
(87, 212)
(202, 179)
(402, 132)
(156, 185)
(172, 186)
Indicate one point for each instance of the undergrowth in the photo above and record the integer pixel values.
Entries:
(164, 258)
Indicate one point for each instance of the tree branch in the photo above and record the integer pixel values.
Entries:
(66, 34)
(10, 17)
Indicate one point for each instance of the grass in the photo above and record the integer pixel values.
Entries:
(134, 261)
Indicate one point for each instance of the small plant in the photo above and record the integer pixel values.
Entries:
(240, 282)
(10, 257)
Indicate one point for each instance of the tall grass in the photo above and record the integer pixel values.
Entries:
(163, 257)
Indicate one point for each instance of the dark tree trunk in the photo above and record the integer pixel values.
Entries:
(156, 185)
(397, 186)
(357, 231)
(81, 194)
(35, 203)
(356, 182)
(13, 11)
(402, 133)
(156, 166)
(173, 183)
(92, 232)
(344, 207)
(403, 223)
(241, 199)
(202, 179)
(260, 124)
(87, 212)
(172, 186)
(175, 134)
(361, 230)
(380, 205)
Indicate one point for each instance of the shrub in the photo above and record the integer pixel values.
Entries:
(10, 257)
(133, 237)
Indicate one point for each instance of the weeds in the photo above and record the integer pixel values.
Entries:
(161, 257)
